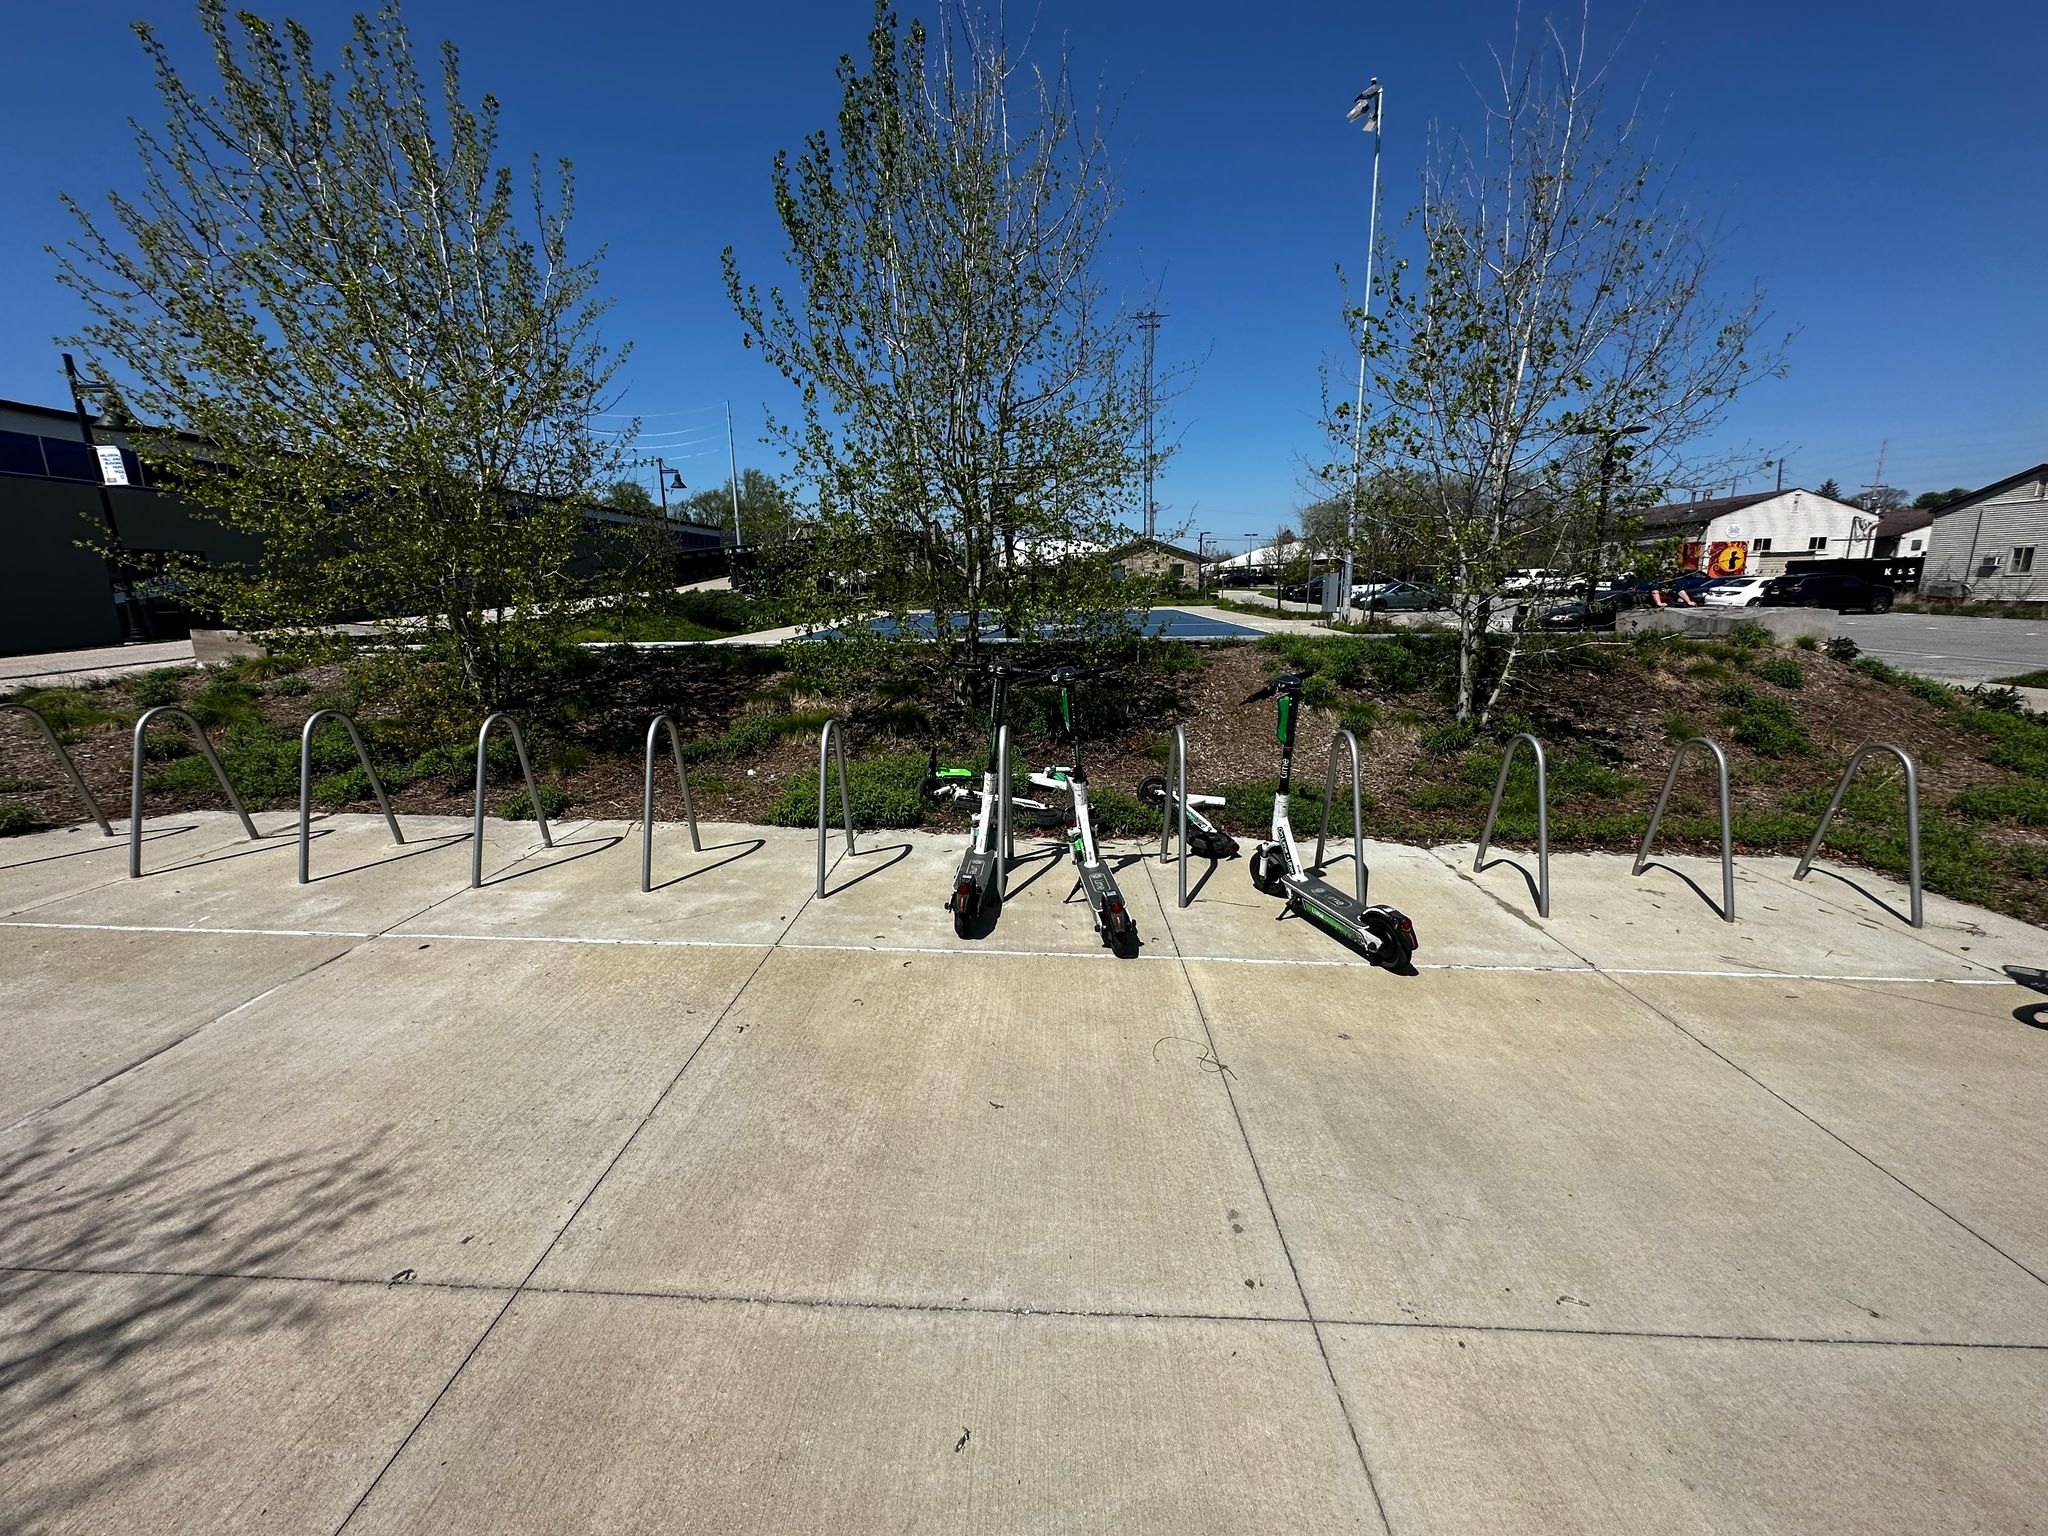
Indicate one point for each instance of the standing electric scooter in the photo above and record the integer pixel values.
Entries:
(1112, 919)
(1383, 933)
(978, 887)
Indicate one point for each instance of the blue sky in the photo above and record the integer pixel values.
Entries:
(1883, 169)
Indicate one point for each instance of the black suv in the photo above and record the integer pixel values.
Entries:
(1827, 589)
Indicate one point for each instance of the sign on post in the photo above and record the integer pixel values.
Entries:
(113, 469)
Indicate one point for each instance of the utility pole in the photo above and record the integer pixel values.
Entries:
(1148, 322)
(732, 459)
(1367, 112)
(133, 619)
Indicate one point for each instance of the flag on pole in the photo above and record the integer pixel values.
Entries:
(1366, 110)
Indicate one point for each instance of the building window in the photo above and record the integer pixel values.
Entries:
(1915, 545)
(2022, 560)
(1818, 541)
(1761, 546)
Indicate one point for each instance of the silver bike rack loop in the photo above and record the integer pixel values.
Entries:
(1350, 742)
(1006, 833)
(1912, 821)
(540, 815)
(1177, 786)
(135, 784)
(675, 744)
(306, 784)
(1727, 842)
(70, 768)
(832, 749)
(1542, 818)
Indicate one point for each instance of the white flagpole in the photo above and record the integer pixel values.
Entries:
(1372, 222)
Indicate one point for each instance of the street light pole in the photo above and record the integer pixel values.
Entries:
(732, 459)
(1368, 110)
(133, 619)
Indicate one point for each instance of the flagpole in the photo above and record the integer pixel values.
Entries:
(1372, 221)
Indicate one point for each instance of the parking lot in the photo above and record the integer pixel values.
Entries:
(1952, 647)
(385, 1204)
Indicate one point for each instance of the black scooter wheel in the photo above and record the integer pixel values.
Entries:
(1153, 790)
(1265, 870)
(1396, 937)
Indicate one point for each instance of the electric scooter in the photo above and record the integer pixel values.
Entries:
(1112, 919)
(1385, 935)
(1206, 840)
(978, 887)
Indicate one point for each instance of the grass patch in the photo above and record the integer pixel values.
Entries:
(2035, 679)
(2024, 803)
(883, 792)
(1781, 670)
(520, 807)
(73, 711)
(16, 819)
(1765, 725)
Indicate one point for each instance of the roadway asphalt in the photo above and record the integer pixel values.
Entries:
(1951, 647)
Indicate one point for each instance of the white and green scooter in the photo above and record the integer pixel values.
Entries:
(1112, 918)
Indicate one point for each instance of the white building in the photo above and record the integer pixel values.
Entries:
(1757, 534)
(1993, 542)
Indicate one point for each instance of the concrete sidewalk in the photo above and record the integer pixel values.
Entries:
(384, 1204)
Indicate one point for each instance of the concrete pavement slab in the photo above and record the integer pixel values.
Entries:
(1666, 919)
(1529, 1435)
(169, 1403)
(1880, 902)
(1943, 1086)
(887, 897)
(1457, 923)
(938, 1130)
(362, 882)
(77, 1006)
(420, 1108)
(742, 888)
(1545, 1151)
(629, 1414)
(48, 866)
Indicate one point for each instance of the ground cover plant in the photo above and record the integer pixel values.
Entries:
(1609, 712)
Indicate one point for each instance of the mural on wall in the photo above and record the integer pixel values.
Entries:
(1718, 559)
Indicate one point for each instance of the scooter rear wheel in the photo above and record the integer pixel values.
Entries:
(1396, 937)
(1266, 869)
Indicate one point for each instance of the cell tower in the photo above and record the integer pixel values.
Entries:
(1148, 322)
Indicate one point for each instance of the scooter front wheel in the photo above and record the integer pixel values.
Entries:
(1266, 867)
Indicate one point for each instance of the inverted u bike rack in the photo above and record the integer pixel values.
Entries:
(1177, 787)
(1912, 821)
(1542, 818)
(1006, 828)
(1347, 740)
(540, 815)
(306, 784)
(70, 768)
(1727, 842)
(675, 743)
(830, 748)
(135, 784)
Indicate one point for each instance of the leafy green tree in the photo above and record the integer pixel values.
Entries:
(630, 496)
(969, 417)
(1565, 294)
(765, 511)
(1928, 499)
(380, 340)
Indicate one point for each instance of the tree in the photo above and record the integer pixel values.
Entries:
(384, 348)
(1927, 499)
(1564, 295)
(765, 512)
(630, 496)
(968, 417)
(1829, 488)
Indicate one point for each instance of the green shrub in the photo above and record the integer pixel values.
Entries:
(883, 792)
(72, 711)
(752, 733)
(339, 789)
(1751, 636)
(2019, 742)
(159, 687)
(1448, 740)
(2024, 802)
(520, 807)
(1250, 806)
(1782, 670)
(2038, 679)
(1842, 648)
(1319, 690)
(1810, 642)
(1883, 671)
(224, 700)
(1679, 728)
(15, 819)
(289, 687)
(1359, 719)
(1765, 725)
(1986, 696)
(1117, 814)
(1397, 668)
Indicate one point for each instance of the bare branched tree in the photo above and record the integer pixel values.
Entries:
(1565, 296)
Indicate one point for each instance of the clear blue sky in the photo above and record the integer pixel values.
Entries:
(1883, 168)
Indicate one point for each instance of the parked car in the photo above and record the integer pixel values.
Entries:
(1827, 589)
(1398, 597)
(1734, 592)
(1310, 591)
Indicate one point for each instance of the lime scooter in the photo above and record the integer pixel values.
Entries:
(1385, 935)
(978, 887)
(1112, 918)
(1206, 840)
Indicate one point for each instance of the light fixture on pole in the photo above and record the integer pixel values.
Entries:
(1368, 111)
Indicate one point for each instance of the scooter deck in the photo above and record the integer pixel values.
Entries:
(1322, 902)
(1100, 887)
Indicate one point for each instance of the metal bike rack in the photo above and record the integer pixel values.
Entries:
(135, 784)
(675, 744)
(1006, 832)
(70, 768)
(1177, 786)
(306, 784)
(1912, 821)
(831, 748)
(540, 815)
(1542, 818)
(1727, 842)
(1347, 740)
